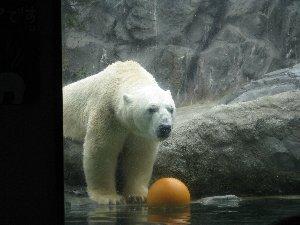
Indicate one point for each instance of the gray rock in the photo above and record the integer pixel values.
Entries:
(240, 148)
(142, 54)
(76, 64)
(199, 31)
(99, 21)
(231, 34)
(271, 20)
(231, 61)
(216, 75)
(272, 83)
(170, 67)
(141, 21)
(121, 32)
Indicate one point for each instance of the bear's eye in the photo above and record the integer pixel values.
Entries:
(152, 109)
(171, 109)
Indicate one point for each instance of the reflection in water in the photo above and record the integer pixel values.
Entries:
(136, 214)
(180, 215)
(121, 214)
(258, 211)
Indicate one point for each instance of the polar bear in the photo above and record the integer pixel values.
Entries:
(120, 110)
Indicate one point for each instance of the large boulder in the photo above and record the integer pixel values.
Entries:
(246, 148)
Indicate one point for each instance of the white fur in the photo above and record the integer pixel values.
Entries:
(108, 111)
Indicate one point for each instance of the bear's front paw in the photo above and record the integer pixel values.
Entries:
(135, 199)
(137, 195)
(107, 199)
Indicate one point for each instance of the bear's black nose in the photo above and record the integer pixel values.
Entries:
(164, 131)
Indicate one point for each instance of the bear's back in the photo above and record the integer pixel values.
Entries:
(101, 90)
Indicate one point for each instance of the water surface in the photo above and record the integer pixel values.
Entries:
(251, 210)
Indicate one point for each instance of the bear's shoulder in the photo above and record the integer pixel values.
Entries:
(125, 65)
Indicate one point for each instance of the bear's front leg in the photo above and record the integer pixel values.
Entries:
(137, 166)
(101, 149)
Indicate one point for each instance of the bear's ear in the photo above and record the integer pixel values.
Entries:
(127, 99)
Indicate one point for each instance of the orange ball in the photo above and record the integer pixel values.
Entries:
(168, 192)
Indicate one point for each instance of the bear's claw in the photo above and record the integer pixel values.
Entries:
(135, 199)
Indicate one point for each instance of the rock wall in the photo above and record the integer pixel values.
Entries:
(199, 49)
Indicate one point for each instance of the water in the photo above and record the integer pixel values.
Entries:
(260, 210)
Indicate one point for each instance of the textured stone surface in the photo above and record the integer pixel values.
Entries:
(224, 44)
(272, 83)
(247, 148)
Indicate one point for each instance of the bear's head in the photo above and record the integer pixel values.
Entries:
(149, 112)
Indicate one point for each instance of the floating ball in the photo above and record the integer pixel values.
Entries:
(168, 192)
